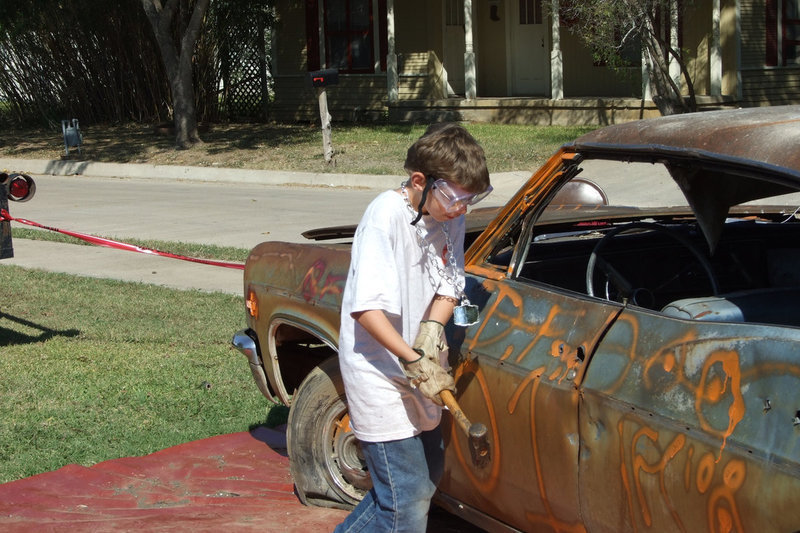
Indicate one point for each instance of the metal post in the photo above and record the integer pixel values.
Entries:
(325, 119)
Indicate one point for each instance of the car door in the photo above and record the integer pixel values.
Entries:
(691, 426)
(519, 370)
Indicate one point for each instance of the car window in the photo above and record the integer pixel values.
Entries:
(626, 232)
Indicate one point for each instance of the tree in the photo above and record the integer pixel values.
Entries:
(613, 27)
(176, 26)
(95, 60)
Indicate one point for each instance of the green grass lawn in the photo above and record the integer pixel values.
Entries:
(98, 369)
(358, 148)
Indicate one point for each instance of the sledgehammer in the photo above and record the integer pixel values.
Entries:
(476, 433)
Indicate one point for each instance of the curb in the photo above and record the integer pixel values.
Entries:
(94, 169)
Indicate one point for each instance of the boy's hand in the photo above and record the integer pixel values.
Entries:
(429, 377)
(430, 339)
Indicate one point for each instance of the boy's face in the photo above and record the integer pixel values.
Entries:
(446, 200)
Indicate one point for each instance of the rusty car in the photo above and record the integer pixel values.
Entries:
(636, 361)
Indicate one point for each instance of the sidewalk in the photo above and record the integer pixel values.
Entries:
(216, 174)
(99, 262)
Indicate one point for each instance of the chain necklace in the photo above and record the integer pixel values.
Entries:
(465, 314)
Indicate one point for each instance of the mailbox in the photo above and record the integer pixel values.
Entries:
(323, 78)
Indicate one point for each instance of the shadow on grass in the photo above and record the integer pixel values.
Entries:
(276, 416)
(132, 142)
(10, 337)
(257, 136)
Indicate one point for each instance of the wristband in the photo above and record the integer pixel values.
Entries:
(421, 355)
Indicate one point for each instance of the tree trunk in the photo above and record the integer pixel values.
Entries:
(178, 61)
(183, 107)
(668, 98)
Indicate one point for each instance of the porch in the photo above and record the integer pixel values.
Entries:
(589, 111)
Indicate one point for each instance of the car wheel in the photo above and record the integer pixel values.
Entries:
(324, 456)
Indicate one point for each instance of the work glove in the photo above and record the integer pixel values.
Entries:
(430, 340)
(429, 377)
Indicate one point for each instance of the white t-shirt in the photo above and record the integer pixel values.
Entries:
(390, 271)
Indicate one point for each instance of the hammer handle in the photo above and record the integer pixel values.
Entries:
(452, 405)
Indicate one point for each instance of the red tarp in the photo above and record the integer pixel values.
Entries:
(237, 482)
(231, 483)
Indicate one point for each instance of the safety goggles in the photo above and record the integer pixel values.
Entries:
(453, 198)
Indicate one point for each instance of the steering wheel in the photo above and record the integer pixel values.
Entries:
(624, 290)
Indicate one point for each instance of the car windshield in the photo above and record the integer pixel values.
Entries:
(648, 234)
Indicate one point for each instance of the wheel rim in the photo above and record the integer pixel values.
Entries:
(344, 462)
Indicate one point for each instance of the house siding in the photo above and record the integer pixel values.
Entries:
(762, 84)
(771, 86)
(753, 21)
(289, 44)
(356, 97)
(584, 78)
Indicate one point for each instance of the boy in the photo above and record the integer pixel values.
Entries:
(406, 276)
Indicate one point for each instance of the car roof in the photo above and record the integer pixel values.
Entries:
(711, 155)
(756, 137)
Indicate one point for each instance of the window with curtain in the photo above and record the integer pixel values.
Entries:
(530, 11)
(782, 32)
(791, 32)
(349, 35)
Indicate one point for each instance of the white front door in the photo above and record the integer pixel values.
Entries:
(454, 48)
(530, 49)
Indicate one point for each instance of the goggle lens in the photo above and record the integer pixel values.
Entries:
(452, 200)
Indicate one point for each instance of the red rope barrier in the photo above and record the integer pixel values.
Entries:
(99, 241)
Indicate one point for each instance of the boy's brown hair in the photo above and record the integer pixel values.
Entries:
(447, 151)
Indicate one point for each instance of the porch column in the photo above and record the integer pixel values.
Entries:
(647, 93)
(391, 56)
(674, 67)
(470, 77)
(556, 58)
(716, 51)
(738, 16)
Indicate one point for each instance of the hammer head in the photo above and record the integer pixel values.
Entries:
(479, 444)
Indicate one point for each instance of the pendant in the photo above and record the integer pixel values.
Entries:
(465, 314)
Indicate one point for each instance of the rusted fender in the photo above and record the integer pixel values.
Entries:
(314, 273)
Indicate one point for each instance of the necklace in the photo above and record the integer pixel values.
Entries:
(464, 314)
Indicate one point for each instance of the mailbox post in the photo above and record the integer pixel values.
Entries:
(320, 79)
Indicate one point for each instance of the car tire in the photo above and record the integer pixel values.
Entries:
(324, 456)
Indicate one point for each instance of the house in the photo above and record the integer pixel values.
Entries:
(515, 61)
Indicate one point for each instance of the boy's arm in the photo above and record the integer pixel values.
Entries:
(429, 377)
(377, 324)
(442, 308)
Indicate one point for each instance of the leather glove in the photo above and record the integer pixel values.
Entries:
(429, 377)
(430, 339)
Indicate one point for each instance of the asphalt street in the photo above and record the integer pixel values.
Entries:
(226, 207)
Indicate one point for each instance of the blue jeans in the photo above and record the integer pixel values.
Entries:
(404, 477)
